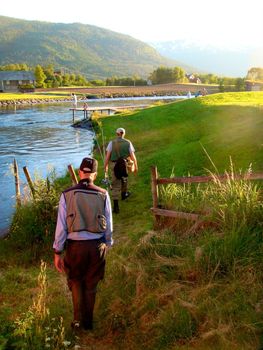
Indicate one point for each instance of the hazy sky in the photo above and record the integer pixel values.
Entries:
(222, 22)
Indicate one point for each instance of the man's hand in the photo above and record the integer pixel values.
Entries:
(59, 263)
(103, 250)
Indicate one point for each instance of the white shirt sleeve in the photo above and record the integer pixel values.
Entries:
(108, 214)
(109, 147)
(61, 228)
(131, 148)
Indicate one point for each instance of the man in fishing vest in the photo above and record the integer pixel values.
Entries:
(119, 148)
(84, 230)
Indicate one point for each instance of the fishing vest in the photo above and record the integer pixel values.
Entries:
(85, 209)
(120, 149)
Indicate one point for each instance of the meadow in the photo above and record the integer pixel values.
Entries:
(164, 289)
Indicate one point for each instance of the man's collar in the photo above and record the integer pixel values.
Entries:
(86, 182)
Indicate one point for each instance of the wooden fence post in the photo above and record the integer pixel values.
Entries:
(155, 192)
(72, 175)
(17, 184)
(29, 180)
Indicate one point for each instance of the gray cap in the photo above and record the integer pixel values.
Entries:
(89, 165)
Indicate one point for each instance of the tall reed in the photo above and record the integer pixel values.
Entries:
(36, 329)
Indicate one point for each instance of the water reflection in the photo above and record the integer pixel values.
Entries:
(77, 140)
(38, 137)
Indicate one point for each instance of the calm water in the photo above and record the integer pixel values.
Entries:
(41, 138)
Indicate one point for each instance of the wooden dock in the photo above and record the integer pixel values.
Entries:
(109, 110)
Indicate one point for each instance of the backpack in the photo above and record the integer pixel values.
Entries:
(120, 168)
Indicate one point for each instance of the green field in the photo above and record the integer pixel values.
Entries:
(174, 135)
(163, 289)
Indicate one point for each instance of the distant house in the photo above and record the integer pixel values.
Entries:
(10, 81)
(59, 72)
(254, 85)
(193, 79)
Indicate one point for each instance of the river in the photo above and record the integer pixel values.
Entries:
(41, 138)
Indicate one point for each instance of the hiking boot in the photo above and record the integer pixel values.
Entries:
(88, 326)
(125, 195)
(116, 208)
(75, 325)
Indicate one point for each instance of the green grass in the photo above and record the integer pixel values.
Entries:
(173, 136)
(165, 289)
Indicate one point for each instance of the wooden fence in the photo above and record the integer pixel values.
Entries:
(196, 218)
(30, 182)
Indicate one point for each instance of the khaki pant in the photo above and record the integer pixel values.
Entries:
(118, 185)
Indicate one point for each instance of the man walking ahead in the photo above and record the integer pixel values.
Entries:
(84, 229)
(119, 148)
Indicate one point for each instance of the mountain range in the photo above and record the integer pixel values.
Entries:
(85, 49)
(225, 61)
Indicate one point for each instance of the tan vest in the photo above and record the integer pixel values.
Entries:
(85, 210)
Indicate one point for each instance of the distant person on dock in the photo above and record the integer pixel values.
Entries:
(85, 109)
(84, 230)
(75, 100)
(118, 150)
(204, 92)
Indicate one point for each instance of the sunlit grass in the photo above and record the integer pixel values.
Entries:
(231, 204)
(235, 98)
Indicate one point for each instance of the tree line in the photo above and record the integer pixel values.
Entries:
(47, 77)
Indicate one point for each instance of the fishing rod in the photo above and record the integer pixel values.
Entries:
(102, 152)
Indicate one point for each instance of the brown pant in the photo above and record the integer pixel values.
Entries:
(118, 185)
(85, 268)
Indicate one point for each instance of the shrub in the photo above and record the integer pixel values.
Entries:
(26, 88)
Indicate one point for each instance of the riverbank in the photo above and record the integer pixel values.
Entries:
(4, 232)
(18, 100)
(137, 91)
(57, 95)
(163, 289)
